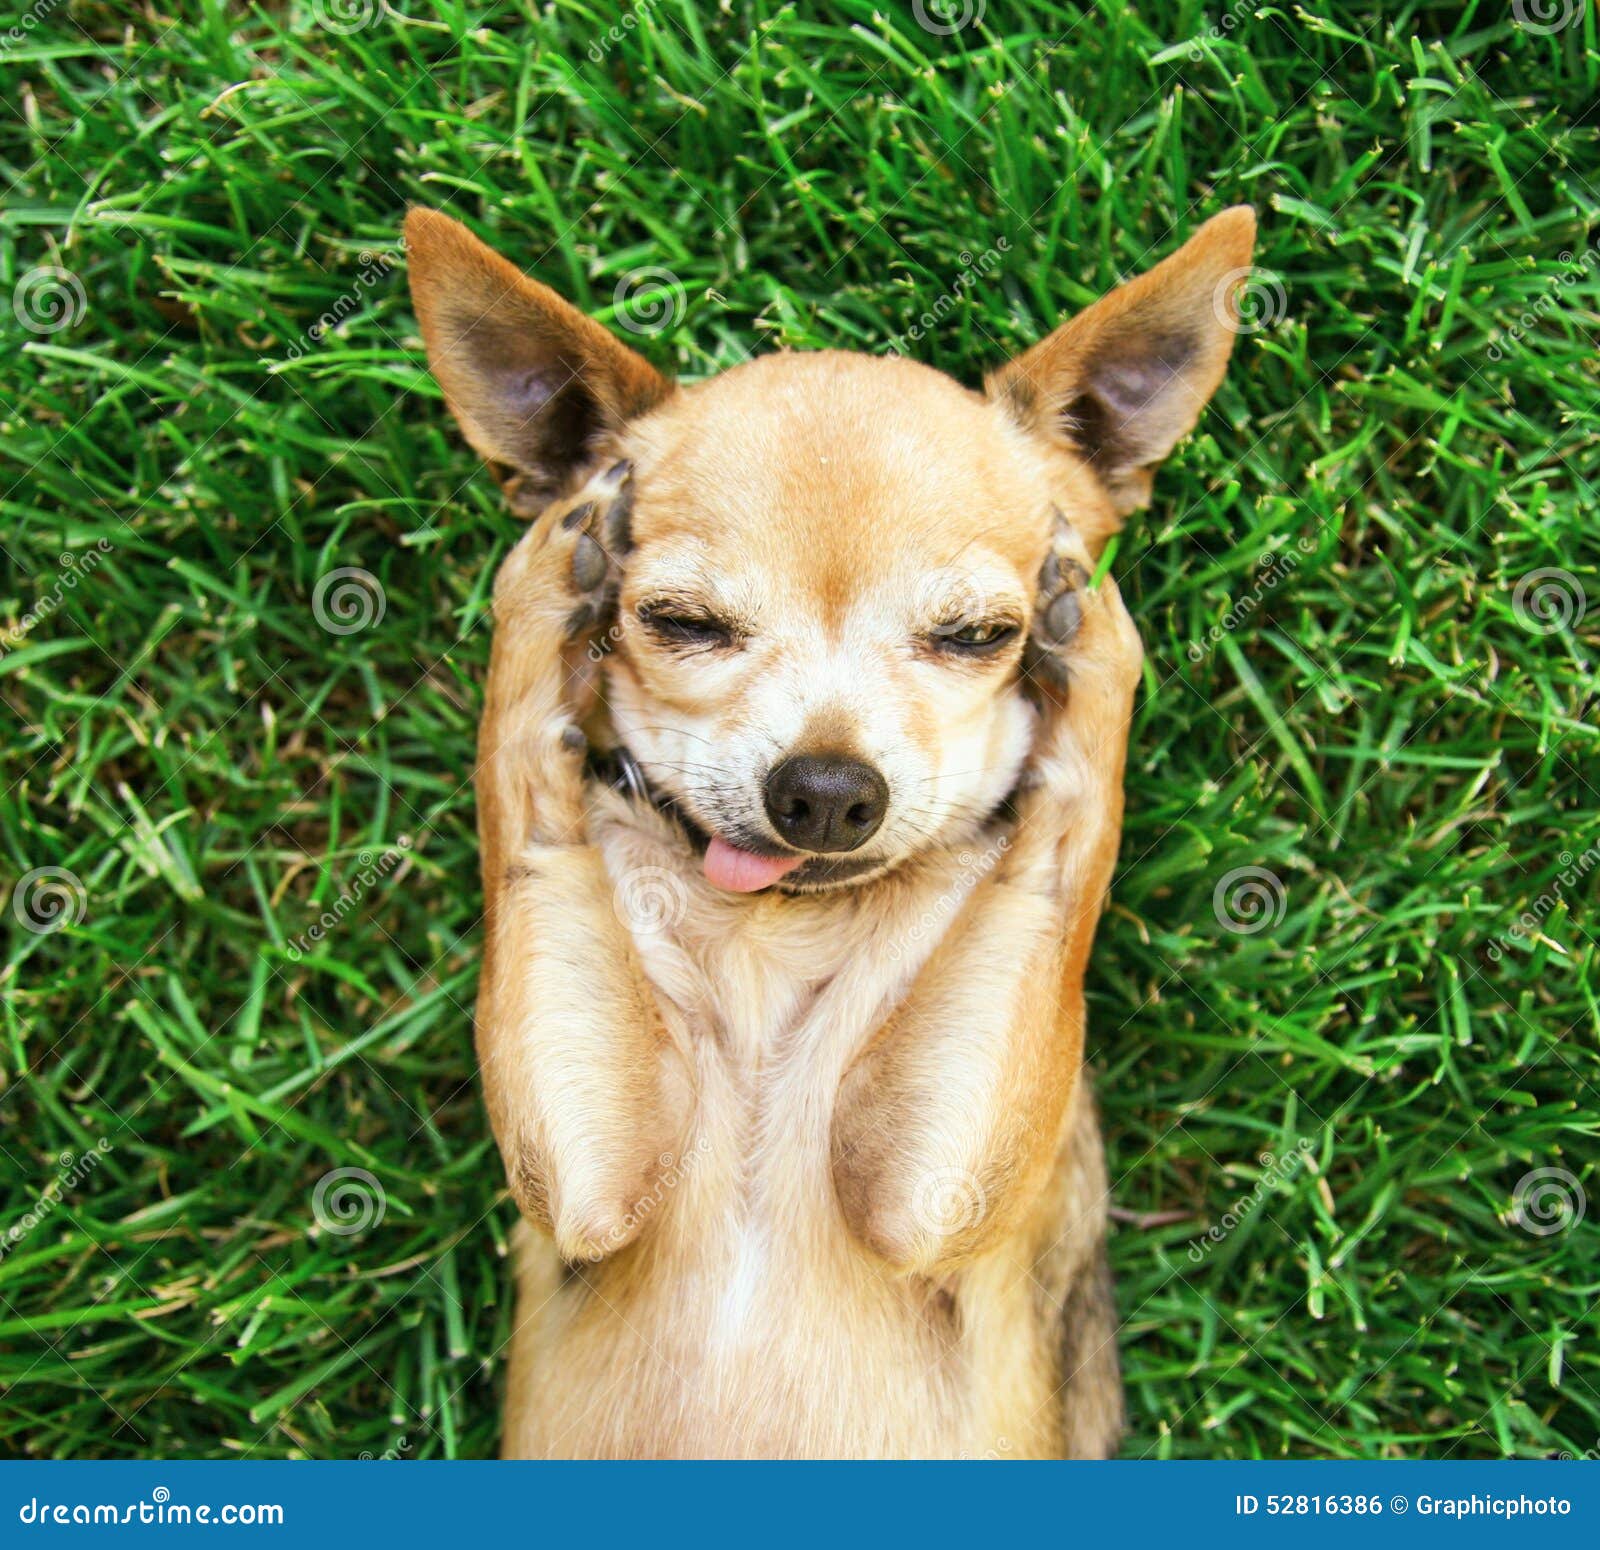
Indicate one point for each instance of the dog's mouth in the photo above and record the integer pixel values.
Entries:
(737, 862)
(745, 871)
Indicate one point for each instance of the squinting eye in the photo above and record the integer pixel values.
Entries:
(686, 629)
(976, 636)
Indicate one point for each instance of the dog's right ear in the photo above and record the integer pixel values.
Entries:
(534, 384)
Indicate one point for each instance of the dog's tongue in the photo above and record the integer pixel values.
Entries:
(739, 871)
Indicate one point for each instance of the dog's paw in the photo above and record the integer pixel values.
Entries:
(1058, 610)
(594, 530)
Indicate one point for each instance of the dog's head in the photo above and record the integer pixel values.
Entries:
(819, 649)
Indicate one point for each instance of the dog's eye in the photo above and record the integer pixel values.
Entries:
(975, 637)
(681, 628)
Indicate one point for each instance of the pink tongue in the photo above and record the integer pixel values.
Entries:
(741, 872)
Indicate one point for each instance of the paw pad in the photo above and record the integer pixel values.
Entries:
(1058, 609)
(600, 522)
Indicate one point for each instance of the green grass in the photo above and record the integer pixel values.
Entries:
(1386, 728)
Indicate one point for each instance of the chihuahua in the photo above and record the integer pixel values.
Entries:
(799, 791)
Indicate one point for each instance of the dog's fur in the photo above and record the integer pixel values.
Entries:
(812, 1170)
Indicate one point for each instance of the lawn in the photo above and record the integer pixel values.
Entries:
(1346, 1007)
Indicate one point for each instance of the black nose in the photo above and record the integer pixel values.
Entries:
(826, 804)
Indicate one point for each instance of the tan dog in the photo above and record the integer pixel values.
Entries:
(782, 1026)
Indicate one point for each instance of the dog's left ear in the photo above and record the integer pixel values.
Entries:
(1126, 379)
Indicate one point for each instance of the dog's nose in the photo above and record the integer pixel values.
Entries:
(826, 804)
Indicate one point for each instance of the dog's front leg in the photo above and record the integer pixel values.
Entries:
(584, 1088)
(948, 1122)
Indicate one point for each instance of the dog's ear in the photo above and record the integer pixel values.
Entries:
(1126, 379)
(534, 384)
